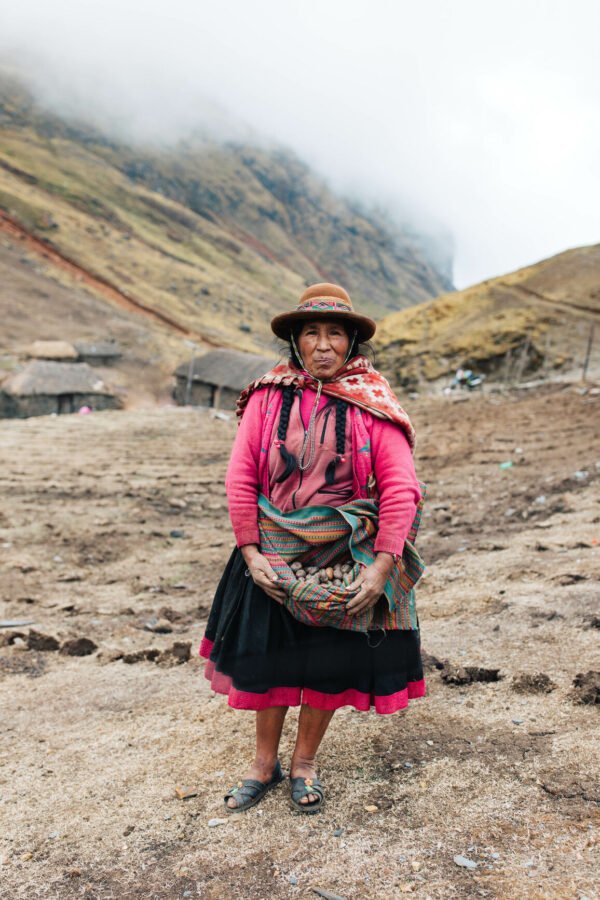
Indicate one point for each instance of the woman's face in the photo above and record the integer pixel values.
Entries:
(323, 346)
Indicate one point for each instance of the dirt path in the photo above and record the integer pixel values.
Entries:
(111, 519)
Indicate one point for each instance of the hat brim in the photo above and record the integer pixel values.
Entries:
(282, 325)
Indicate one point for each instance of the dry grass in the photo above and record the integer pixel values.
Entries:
(91, 749)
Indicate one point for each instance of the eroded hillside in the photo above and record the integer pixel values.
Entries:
(214, 238)
(535, 319)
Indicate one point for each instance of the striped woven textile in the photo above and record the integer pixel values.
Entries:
(324, 536)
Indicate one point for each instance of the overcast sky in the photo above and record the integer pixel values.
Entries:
(480, 117)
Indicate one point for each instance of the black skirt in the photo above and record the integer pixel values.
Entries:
(259, 655)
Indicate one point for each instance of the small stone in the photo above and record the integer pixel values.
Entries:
(177, 503)
(128, 830)
(517, 721)
(292, 879)
(158, 626)
(26, 856)
(536, 683)
(495, 855)
(81, 646)
(465, 862)
(213, 823)
(586, 688)
(415, 865)
(53, 835)
(38, 641)
(150, 653)
(176, 655)
(371, 808)
(338, 832)
(176, 533)
(184, 793)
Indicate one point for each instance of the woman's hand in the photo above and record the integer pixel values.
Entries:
(369, 584)
(261, 572)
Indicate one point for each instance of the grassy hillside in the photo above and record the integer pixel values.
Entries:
(215, 238)
(540, 315)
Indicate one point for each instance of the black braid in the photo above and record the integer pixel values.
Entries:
(286, 408)
(340, 439)
(289, 459)
(340, 426)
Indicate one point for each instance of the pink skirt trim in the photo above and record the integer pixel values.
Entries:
(295, 696)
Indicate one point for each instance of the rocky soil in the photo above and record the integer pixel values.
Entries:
(113, 534)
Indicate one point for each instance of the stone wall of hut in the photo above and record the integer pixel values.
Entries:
(204, 394)
(23, 407)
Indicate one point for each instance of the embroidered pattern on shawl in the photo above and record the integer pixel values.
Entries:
(358, 382)
(324, 535)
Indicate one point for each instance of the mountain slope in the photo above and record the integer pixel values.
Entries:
(541, 314)
(214, 239)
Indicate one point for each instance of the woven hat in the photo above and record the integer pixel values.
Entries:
(327, 301)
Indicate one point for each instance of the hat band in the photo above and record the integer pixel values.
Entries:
(324, 304)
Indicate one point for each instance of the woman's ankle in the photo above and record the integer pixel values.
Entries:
(265, 762)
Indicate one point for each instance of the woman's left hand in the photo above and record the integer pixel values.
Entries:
(369, 585)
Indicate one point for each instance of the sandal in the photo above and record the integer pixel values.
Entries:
(250, 791)
(303, 786)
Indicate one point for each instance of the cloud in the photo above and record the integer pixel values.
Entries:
(477, 118)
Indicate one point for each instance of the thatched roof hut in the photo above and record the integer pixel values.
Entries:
(216, 378)
(43, 387)
(52, 350)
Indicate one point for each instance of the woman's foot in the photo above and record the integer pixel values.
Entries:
(307, 771)
(261, 771)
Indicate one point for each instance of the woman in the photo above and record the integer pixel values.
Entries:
(324, 431)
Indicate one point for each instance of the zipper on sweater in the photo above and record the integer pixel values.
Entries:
(297, 489)
(325, 420)
(300, 472)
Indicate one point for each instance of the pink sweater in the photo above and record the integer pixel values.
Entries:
(392, 462)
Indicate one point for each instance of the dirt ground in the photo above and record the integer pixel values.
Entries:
(111, 519)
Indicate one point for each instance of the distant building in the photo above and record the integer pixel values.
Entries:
(57, 350)
(216, 378)
(99, 353)
(43, 387)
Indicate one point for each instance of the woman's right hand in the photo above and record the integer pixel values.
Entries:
(261, 572)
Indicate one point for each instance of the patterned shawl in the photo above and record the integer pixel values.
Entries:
(321, 536)
(357, 382)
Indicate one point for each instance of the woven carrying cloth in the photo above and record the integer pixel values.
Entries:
(357, 382)
(323, 536)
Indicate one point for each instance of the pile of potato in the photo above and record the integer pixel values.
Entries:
(332, 576)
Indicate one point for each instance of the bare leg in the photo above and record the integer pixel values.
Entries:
(312, 725)
(269, 725)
